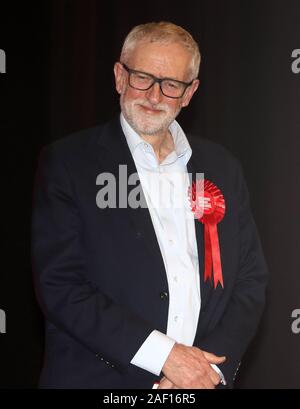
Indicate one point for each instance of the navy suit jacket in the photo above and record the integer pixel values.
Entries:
(100, 277)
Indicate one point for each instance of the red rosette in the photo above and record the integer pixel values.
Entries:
(208, 205)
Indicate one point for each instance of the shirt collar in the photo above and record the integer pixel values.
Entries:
(182, 146)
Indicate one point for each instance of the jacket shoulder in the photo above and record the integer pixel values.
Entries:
(76, 143)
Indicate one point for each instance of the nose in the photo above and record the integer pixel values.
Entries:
(154, 94)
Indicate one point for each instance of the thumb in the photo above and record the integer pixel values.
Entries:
(214, 359)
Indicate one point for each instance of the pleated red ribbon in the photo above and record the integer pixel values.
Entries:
(208, 204)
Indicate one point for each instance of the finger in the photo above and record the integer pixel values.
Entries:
(208, 384)
(211, 377)
(203, 383)
(215, 377)
(214, 359)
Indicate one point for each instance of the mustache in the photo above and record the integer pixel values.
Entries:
(159, 107)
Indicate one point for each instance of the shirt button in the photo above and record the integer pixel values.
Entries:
(176, 318)
(171, 242)
(175, 278)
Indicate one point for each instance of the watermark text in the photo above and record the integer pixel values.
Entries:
(296, 61)
(2, 62)
(296, 322)
(155, 189)
(2, 322)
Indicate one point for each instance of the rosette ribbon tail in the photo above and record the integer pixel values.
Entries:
(214, 253)
(208, 266)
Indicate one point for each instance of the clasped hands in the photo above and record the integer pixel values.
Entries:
(190, 368)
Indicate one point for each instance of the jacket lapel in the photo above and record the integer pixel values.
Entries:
(114, 152)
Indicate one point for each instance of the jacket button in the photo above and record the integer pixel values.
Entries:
(99, 357)
(164, 295)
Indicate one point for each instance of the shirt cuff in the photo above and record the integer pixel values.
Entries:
(219, 372)
(154, 352)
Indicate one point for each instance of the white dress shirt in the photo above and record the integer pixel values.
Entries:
(165, 186)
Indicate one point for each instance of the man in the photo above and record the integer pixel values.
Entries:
(122, 286)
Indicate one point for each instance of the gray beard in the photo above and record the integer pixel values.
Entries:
(163, 126)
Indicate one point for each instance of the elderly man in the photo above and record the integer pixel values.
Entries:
(135, 295)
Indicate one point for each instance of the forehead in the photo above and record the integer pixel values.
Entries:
(162, 60)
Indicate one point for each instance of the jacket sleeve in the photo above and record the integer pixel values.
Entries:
(68, 300)
(234, 332)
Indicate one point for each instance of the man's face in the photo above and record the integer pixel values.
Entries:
(150, 112)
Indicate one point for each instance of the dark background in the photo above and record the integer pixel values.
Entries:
(59, 79)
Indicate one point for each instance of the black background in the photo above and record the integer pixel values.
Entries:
(59, 79)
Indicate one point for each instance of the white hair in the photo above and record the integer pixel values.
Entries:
(163, 32)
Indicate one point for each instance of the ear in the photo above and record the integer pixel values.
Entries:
(119, 77)
(189, 93)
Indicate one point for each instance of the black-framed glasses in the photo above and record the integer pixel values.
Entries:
(143, 81)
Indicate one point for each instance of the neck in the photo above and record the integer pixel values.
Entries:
(162, 144)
